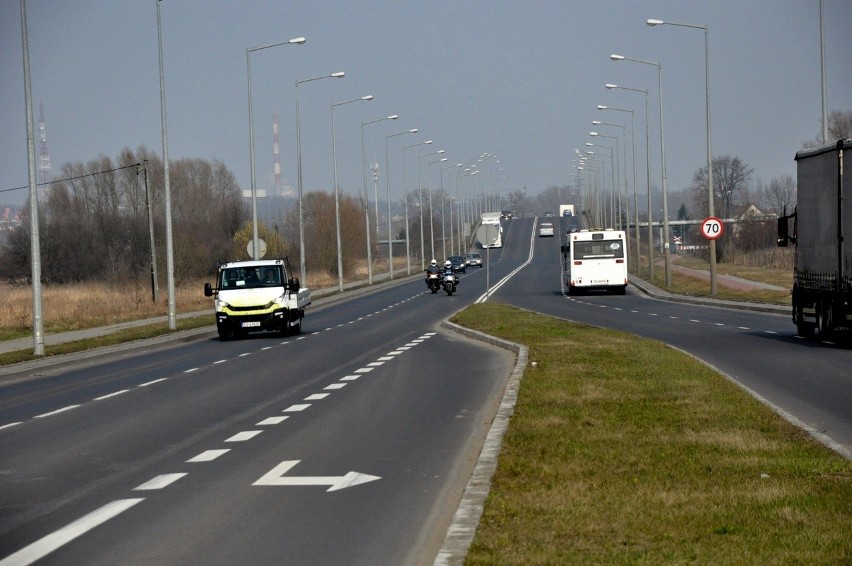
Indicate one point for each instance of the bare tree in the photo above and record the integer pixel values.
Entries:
(839, 128)
(780, 195)
(730, 179)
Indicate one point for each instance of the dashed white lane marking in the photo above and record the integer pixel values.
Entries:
(159, 482)
(109, 395)
(219, 362)
(208, 455)
(10, 425)
(243, 436)
(272, 421)
(51, 542)
(56, 412)
(66, 534)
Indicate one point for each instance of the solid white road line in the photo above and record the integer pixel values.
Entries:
(51, 542)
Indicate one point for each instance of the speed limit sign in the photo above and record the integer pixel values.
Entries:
(712, 228)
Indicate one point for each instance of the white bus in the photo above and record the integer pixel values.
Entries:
(596, 260)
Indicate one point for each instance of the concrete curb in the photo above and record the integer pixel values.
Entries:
(463, 527)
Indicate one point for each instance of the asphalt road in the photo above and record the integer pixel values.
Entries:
(252, 451)
(811, 381)
(349, 444)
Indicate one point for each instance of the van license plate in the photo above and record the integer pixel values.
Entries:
(250, 324)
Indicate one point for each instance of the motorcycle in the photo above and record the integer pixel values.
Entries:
(450, 283)
(433, 282)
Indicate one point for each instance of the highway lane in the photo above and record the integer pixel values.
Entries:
(187, 452)
(810, 380)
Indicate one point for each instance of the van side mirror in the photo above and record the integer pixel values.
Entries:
(293, 284)
(208, 290)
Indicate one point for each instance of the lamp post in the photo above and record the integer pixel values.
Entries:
(35, 242)
(367, 198)
(623, 161)
(337, 189)
(249, 51)
(443, 219)
(648, 179)
(666, 238)
(387, 188)
(633, 161)
(405, 191)
(710, 186)
(613, 154)
(420, 201)
(431, 213)
(302, 258)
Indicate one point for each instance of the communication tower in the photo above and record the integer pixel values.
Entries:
(276, 153)
(43, 154)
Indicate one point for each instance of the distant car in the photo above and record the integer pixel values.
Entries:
(545, 229)
(548, 214)
(473, 260)
(458, 263)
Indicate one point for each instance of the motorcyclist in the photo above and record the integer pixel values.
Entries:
(433, 268)
(448, 270)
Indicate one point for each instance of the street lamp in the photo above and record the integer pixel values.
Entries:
(387, 189)
(666, 252)
(337, 189)
(614, 172)
(648, 179)
(624, 162)
(249, 51)
(710, 186)
(431, 213)
(633, 160)
(443, 219)
(405, 191)
(420, 200)
(302, 259)
(367, 198)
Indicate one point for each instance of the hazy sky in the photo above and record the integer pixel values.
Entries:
(519, 80)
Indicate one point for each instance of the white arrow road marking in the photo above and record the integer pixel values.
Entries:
(276, 477)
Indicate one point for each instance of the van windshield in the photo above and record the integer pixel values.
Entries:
(251, 277)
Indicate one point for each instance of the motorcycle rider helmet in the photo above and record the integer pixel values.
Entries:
(448, 263)
(433, 263)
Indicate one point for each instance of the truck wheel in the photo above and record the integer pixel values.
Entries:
(825, 320)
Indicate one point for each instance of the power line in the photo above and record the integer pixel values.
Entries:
(72, 178)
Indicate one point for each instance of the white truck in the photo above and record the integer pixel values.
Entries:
(822, 236)
(257, 295)
(490, 231)
(566, 210)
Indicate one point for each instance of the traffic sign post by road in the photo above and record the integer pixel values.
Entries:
(712, 228)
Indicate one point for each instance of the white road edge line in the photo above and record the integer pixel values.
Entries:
(56, 412)
(66, 534)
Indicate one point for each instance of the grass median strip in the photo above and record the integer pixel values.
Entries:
(622, 450)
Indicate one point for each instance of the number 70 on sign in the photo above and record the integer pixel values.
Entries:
(712, 228)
